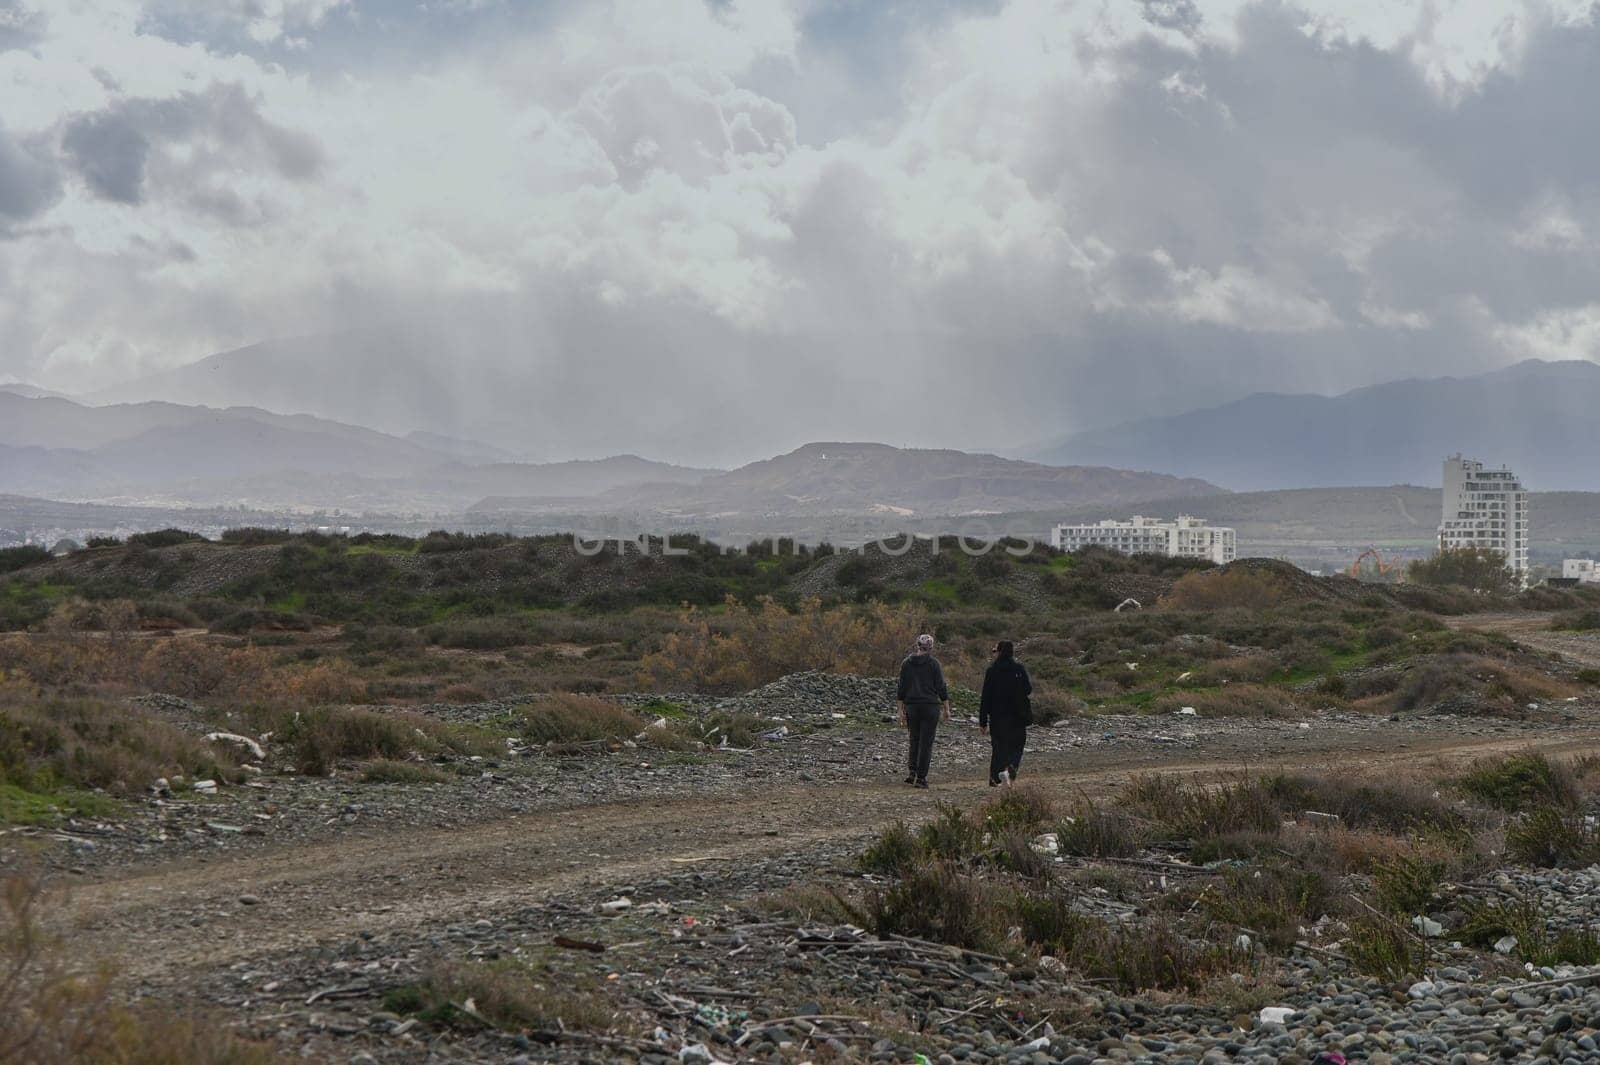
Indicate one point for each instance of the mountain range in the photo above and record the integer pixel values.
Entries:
(1537, 417)
(169, 453)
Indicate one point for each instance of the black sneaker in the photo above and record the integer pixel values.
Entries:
(922, 783)
(912, 779)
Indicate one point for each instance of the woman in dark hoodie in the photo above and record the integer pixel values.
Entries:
(1004, 713)
(923, 700)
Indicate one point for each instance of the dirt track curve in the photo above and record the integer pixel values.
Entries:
(186, 916)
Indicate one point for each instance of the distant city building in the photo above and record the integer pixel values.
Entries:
(1185, 538)
(1581, 570)
(1486, 509)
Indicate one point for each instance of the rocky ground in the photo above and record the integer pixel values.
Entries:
(821, 730)
(646, 884)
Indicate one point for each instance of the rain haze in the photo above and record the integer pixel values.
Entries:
(708, 232)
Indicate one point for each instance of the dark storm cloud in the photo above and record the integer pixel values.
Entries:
(122, 151)
(18, 28)
(1181, 15)
(29, 182)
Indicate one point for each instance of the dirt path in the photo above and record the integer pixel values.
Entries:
(188, 917)
(1534, 631)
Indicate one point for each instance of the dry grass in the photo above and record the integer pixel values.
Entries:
(389, 771)
(320, 738)
(504, 995)
(56, 1009)
(52, 743)
(566, 720)
(1238, 700)
(750, 646)
(79, 661)
(1240, 589)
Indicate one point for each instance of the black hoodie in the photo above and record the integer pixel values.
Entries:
(1005, 686)
(921, 681)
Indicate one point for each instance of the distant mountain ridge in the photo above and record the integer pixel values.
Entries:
(171, 452)
(868, 477)
(1539, 418)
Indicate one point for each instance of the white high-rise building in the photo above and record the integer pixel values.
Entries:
(1486, 509)
(1185, 538)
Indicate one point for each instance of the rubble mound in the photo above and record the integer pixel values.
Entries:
(812, 694)
(1304, 586)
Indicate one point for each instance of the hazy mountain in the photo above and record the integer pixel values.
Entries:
(866, 477)
(474, 451)
(22, 388)
(1537, 417)
(398, 381)
(208, 456)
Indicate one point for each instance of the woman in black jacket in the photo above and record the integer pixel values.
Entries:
(1004, 713)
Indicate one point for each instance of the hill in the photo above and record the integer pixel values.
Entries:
(209, 456)
(1536, 417)
(906, 482)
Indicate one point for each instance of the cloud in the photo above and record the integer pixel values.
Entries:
(191, 144)
(264, 21)
(1029, 216)
(29, 182)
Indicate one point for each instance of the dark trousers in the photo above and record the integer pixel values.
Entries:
(1006, 740)
(921, 722)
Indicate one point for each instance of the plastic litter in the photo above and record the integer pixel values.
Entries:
(617, 905)
(1049, 843)
(1421, 989)
(1276, 1014)
(1329, 1057)
(781, 732)
(1505, 944)
(1242, 943)
(1427, 927)
(1041, 1043)
(255, 749)
(1187, 711)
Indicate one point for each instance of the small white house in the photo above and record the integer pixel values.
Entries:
(1580, 569)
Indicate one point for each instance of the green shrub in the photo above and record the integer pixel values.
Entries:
(1384, 948)
(1050, 923)
(1551, 838)
(950, 835)
(1094, 832)
(1272, 901)
(895, 852)
(1406, 884)
(1485, 923)
(936, 901)
(165, 538)
(1022, 806)
(15, 558)
(1520, 781)
(1014, 852)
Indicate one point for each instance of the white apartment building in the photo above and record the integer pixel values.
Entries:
(1486, 509)
(1586, 570)
(1185, 538)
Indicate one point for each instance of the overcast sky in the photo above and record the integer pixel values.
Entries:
(715, 229)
